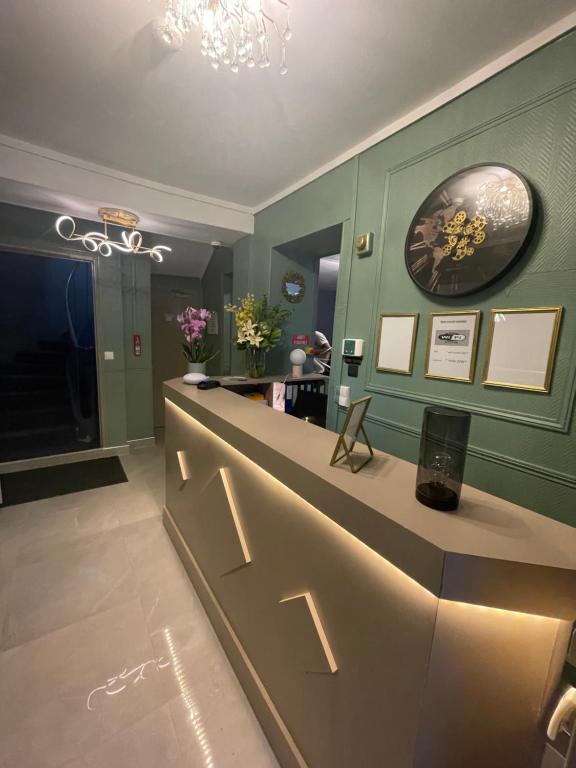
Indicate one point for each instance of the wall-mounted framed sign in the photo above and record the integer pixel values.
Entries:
(521, 348)
(352, 428)
(469, 230)
(452, 345)
(293, 287)
(396, 343)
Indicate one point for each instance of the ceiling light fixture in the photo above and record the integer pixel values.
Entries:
(234, 32)
(130, 242)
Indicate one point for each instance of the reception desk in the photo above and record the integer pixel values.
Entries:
(366, 629)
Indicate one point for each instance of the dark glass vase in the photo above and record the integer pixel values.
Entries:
(443, 448)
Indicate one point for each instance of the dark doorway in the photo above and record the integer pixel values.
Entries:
(328, 268)
(48, 379)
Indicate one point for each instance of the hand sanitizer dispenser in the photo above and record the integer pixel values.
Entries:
(352, 352)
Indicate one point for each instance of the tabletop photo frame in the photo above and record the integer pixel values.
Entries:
(352, 428)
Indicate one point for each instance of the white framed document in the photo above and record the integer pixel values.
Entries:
(452, 345)
(396, 343)
(522, 348)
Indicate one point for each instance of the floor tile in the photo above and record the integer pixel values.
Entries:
(51, 526)
(229, 737)
(107, 657)
(90, 575)
(71, 661)
(51, 735)
(149, 743)
(138, 505)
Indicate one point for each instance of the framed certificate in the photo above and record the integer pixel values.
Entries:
(353, 427)
(452, 345)
(522, 347)
(396, 342)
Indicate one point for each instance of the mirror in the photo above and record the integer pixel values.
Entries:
(293, 287)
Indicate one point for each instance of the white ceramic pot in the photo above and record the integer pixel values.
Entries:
(197, 368)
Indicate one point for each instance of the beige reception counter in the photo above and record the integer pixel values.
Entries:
(366, 629)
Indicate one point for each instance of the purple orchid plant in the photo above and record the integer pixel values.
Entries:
(193, 324)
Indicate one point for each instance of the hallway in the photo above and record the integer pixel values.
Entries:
(107, 658)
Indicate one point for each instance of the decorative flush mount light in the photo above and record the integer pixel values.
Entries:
(131, 239)
(234, 32)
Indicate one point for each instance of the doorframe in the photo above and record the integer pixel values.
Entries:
(72, 254)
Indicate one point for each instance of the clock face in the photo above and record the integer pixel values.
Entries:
(469, 230)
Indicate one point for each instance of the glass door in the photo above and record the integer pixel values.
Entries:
(48, 378)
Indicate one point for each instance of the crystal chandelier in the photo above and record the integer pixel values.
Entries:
(130, 239)
(234, 32)
(504, 202)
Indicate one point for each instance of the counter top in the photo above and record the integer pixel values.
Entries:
(491, 552)
(286, 378)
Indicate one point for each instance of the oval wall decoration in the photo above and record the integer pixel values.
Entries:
(469, 230)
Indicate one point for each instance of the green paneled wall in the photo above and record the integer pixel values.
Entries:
(522, 444)
(213, 290)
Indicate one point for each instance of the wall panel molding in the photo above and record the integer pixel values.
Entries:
(493, 122)
(518, 417)
(566, 401)
(518, 465)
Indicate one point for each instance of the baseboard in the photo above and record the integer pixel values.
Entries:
(63, 458)
(142, 442)
(279, 737)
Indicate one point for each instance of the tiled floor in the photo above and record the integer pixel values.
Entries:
(107, 658)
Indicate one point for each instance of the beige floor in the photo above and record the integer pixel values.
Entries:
(107, 658)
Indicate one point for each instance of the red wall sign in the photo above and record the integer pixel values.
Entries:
(137, 345)
(300, 340)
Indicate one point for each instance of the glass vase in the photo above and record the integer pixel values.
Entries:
(443, 448)
(255, 362)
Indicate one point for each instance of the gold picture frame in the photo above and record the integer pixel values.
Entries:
(353, 426)
(390, 369)
(445, 357)
(549, 333)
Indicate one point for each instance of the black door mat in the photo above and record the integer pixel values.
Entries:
(43, 483)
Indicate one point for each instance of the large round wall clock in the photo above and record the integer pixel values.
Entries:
(469, 230)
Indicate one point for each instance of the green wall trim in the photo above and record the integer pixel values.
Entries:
(518, 417)
(560, 423)
(499, 119)
(523, 445)
(529, 468)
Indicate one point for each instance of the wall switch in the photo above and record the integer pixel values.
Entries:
(108, 355)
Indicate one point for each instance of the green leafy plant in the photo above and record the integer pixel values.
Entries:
(258, 323)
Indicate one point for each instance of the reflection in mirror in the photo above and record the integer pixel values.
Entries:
(293, 287)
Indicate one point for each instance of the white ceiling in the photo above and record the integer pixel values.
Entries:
(89, 79)
(187, 259)
(33, 196)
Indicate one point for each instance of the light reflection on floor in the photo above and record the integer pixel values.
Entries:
(107, 659)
